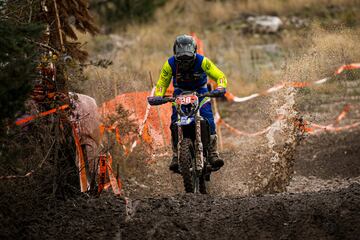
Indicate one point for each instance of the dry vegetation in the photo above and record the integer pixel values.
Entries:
(144, 48)
(323, 52)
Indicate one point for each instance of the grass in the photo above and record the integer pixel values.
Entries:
(303, 55)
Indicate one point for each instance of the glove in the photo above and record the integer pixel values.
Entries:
(219, 92)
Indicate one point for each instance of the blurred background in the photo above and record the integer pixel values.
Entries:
(253, 42)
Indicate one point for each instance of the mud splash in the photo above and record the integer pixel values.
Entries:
(282, 140)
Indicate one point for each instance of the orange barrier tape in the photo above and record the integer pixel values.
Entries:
(43, 114)
(102, 172)
(317, 128)
(330, 128)
(310, 128)
(230, 97)
(80, 155)
(117, 134)
(113, 181)
(242, 133)
(107, 185)
(347, 67)
(146, 116)
(102, 130)
(343, 114)
(298, 84)
(105, 165)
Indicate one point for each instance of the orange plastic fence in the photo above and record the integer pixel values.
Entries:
(43, 114)
(156, 129)
(81, 163)
(105, 162)
(102, 172)
(199, 43)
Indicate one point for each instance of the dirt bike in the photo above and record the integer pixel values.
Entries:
(192, 138)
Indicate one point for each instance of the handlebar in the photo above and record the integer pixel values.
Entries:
(154, 101)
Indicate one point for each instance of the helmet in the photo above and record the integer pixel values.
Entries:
(184, 45)
(185, 51)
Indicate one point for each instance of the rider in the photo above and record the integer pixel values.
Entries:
(189, 72)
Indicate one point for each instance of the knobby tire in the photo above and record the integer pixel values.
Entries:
(185, 161)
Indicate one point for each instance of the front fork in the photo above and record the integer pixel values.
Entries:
(180, 139)
(199, 156)
(199, 152)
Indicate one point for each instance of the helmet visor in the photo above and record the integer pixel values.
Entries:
(183, 50)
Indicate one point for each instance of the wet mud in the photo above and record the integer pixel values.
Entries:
(320, 199)
(314, 215)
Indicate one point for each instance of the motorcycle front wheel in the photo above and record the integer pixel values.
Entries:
(187, 166)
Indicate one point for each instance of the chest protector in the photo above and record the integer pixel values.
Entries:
(189, 80)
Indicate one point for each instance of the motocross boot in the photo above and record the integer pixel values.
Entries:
(174, 165)
(214, 159)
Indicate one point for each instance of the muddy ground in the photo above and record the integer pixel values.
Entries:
(320, 215)
(322, 199)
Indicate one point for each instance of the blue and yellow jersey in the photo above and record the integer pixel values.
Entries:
(203, 68)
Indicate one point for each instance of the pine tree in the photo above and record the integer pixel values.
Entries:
(72, 14)
(18, 60)
(17, 65)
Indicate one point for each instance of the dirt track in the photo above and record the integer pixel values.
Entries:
(323, 203)
(322, 199)
(318, 215)
(322, 215)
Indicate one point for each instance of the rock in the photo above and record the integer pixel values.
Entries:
(264, 24)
